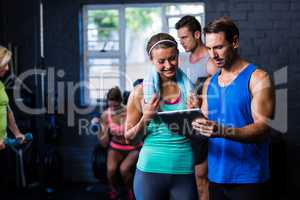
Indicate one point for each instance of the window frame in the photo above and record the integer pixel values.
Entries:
(121, 53)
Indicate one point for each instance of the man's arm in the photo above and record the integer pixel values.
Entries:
(262, 108)
(203, 97)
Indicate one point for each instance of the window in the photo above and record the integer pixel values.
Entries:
(115, 38)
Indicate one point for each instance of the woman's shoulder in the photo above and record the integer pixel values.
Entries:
(138, 92)
(136, 98)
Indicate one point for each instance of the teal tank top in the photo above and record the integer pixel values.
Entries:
(163, 151)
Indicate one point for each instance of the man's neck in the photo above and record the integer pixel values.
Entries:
(236, 66)
(198, 53)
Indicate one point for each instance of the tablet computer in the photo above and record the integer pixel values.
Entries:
(180, 121)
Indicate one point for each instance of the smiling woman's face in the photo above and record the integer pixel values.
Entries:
(165, 61)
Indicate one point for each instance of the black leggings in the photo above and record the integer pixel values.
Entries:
(155, 186)
(4, 169)
(257, 191)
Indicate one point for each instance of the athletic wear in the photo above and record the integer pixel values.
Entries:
(124, 147)
(164, 151)
(118, 131)
(3, 111)
(151, 84)
(197, 73)
(153, 186)
(166, 164)
(257, 191)
(230, 161)
(193, 70)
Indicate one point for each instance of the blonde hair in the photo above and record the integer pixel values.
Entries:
(5, 56)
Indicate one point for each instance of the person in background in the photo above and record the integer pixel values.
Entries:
(7, 119)
(195, 62)
(165, 168)
(198, 66)
(121, 156)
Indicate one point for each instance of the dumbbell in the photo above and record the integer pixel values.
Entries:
(17, 142)
(19, 148)
(95, 126)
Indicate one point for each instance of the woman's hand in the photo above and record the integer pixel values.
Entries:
(2, 145)
(192, 101)
(150, 109)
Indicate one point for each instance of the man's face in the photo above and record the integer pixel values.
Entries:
(220, 50)
(188, 40)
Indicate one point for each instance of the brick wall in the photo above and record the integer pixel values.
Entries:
(269, 37)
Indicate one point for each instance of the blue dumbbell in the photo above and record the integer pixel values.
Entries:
(17, 141)
(94, 128)
(28, 137)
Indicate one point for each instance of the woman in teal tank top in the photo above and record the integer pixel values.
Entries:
(166, 165)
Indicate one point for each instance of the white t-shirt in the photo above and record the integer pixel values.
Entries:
(193, 71)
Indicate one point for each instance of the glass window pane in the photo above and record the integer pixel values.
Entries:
(141, 24)
(104, 61)
(172, 21)
(103, 74)
(102, 34)
(99, 86)
(173, 32)
(103, 28)
(96, 95)
(181, 9)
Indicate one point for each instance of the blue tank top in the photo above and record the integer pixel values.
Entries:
(230, 161)
(163, 151)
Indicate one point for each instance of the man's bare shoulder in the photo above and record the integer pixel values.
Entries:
(260, 79)
(259, 74)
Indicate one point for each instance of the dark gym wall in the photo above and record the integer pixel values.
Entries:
(1, 25)
(18, 27)
(269, 37)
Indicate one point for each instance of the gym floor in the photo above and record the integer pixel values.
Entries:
(72, 191)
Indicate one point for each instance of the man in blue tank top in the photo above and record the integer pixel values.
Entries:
(238, 103)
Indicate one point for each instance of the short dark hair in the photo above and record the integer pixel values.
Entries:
(223, 24)
(190, 22)
(114, 94)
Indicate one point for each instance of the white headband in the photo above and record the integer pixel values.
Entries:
(160, 41)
